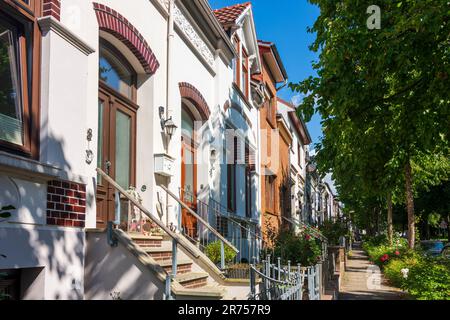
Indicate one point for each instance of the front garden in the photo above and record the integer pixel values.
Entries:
(422, 277)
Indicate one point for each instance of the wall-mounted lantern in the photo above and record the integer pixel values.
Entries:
(168, 125)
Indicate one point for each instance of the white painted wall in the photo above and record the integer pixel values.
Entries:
(59, 251)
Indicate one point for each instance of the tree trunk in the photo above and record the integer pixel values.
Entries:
(410, 205)
(377, 222)
(389, 219)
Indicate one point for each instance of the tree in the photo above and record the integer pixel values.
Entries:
(385, 88)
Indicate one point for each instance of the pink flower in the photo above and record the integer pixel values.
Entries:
(307, 237)
(397, 253)
(384, 258)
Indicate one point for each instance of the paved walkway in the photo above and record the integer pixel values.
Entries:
(356, 282)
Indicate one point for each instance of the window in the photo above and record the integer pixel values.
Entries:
(237, 61)
(248, 183)
(222, 225)
(245, 84)
(300, 154)
(271, 109)
(231, 171)
(19, 77)
(115, 72)
(270, 194)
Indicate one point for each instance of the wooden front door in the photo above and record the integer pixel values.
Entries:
(116, 149)
(188, 174)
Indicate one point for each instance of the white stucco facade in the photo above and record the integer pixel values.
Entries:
(69, 104)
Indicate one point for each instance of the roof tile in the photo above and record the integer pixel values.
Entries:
(230, 14)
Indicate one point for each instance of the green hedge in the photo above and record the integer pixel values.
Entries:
(427, 278)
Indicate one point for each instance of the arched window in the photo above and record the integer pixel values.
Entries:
(115, 71)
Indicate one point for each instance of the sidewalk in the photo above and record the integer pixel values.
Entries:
(354, 285)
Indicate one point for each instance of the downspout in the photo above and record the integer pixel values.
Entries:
(170, 37)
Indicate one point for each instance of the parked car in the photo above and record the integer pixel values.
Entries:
(446, 251)
(432, 248)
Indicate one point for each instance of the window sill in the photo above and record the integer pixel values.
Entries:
(26, 167)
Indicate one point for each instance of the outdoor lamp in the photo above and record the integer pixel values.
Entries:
(169, 127)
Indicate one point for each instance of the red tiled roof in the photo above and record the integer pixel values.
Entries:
(230, 14)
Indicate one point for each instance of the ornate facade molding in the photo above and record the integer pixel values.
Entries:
(191, 34)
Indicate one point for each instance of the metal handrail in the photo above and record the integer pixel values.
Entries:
(269, 278)
(206, 224)
(314, 232)
(145, 211)
(233, 218)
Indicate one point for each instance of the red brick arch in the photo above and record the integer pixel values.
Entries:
(189, 92)
(114, 23)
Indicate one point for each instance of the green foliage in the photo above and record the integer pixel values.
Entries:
(427, 279)
(384, 100)
(333, 231)
(212, 251)
(299, 249)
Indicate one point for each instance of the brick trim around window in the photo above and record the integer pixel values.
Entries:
(66, 204)
(114, 23)
(189, 92)
(51, 8)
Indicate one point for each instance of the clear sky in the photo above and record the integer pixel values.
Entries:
(285, 22)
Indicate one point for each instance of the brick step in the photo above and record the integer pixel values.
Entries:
(160, 253)
(183, 266)
(146, 241)
(193, 280)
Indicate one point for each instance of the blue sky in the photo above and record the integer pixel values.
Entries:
(284, 22)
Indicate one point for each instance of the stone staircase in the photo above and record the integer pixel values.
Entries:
(191, 281)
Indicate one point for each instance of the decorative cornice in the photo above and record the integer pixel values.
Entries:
(49, 23)
(190, 33)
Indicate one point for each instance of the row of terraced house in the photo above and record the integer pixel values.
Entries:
(137, 137)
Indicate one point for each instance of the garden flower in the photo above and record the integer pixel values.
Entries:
(397, 253)
(307, 237)
(384, 258)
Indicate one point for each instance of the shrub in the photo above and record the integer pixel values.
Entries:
(212, 251)
(429, 280)
(393, 269)
(299, 249)
(333, 231)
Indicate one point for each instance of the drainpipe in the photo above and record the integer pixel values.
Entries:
(170, 37)
(169, 100)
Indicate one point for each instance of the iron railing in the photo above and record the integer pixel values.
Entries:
(210, 230)
(241, 232)
(277, 283)
(141, 217)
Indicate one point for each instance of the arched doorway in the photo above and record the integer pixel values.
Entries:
(188, 171)
(116, 149)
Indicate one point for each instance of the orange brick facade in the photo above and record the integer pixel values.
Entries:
(273, 197)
